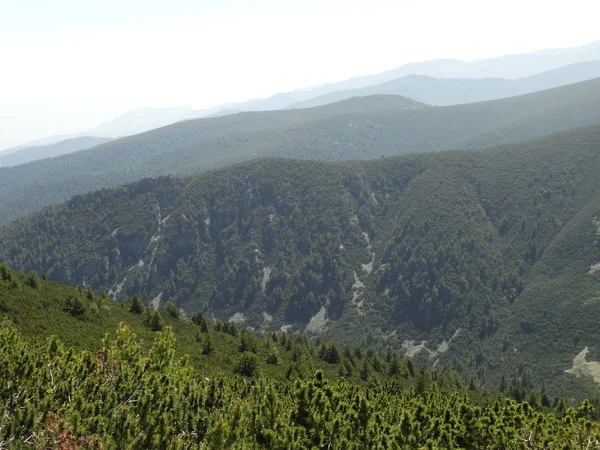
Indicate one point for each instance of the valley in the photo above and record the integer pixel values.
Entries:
(457, 246)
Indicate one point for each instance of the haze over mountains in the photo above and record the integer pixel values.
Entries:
(455, 91)
(358, 128)
(28, 154)
(509, 67)
(420, 89)
(127, 124)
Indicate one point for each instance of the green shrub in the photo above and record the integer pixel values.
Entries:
(247, 365)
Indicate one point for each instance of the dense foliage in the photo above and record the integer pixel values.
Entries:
(486, 255)
(80, 318)
(360, 128)
(120, 397)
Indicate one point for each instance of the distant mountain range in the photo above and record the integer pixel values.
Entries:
(509, 67)
(451, 91)
(435, 92)
(130, 123)
(421, 88)
(28, 154)
(357, 128)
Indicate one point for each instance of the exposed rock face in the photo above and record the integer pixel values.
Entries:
(582, 367)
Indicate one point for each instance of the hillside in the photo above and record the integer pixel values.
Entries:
(28, 154)
(360, 128)
(449, 91)
(476, 252)
(80, 319)
(139, 391)
(186, 146)
(127, 124)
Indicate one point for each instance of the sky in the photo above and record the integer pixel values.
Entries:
(68, 65)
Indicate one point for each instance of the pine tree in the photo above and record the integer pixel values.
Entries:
(410, 367)
(154, 321)
(207, 347)
(365, 371)
(502, 387)
(75, 306)
(172, 310)
(247, 364)
(136, 306)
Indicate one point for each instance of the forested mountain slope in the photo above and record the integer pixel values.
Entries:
(455, 91)
(478, 252)
(359, 128)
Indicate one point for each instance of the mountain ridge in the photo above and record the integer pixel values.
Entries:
(30, 154)
(507, 66)
(360, 128)
(449, 91)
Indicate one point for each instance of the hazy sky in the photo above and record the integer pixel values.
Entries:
(68, 65)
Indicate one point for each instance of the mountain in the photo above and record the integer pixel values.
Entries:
(482, 261)
(448, 91)
(132, 122)
(160, 151)
(136, 389)
(225, 112)
(144, 119)
(359, 128)
(28, 154)
(508, 66)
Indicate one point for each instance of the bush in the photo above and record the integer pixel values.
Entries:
(32, 280)
(154, 321)
(247, 365)
(5, 273)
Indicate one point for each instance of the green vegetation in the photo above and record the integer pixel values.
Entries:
(488, 255)
(360, 128)
(81, 318)
(59, 388)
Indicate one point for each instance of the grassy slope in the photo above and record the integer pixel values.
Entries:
(40, 313)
